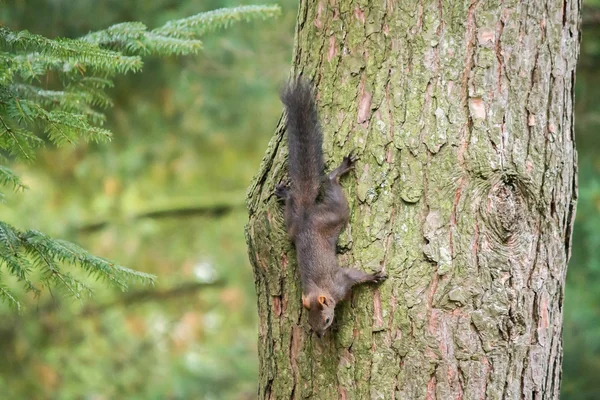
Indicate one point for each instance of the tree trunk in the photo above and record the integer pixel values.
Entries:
(462, 115)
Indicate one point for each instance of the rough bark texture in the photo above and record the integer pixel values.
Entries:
(462, 114)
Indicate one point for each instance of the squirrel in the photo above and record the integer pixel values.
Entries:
(316, 210)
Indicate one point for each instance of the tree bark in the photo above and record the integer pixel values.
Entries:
(462, 115)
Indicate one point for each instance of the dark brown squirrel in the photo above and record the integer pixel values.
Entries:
(316, 210)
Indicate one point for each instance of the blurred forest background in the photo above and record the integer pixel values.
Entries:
(166, 196)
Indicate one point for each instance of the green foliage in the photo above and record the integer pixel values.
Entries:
(189, 134)
(582, 295)
(54, 90)
(24, 251)
(178, 36)
(581, 316)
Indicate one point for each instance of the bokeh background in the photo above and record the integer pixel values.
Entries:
(167, 197)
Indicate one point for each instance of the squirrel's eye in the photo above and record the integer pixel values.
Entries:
(326, 320)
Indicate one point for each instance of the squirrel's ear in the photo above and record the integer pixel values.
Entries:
(322, 300)
(305, 301)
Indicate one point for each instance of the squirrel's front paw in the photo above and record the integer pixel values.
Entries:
(379, 277)
(347, 164)
(350, 159)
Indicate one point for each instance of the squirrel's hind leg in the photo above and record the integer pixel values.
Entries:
(333, 211)
(283, 194)
(346, 165)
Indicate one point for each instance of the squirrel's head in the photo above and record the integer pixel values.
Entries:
(320, 308)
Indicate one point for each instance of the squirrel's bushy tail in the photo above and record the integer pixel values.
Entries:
(305, 160)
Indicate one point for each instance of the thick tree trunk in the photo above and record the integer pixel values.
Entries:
(462, 115)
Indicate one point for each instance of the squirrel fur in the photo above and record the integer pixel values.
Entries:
(316, 210)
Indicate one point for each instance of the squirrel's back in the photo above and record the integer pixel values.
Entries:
(305, 160)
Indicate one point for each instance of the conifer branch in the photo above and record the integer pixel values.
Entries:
(8, 178)
(69, 113)
(7, 296)
(200, 24)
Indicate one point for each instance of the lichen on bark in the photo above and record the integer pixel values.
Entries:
(464, 193)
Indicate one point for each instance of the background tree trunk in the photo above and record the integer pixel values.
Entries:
(462, 114)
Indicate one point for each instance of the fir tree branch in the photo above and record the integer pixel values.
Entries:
(7, 296)
(200, 24)
(80, 54)
(18, 146)
(134, 38)
(70, 253)
(7, 177)
(66, 114)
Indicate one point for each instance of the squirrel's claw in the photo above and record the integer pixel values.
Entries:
(348, 162)
(379, 277)
(352, 157)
